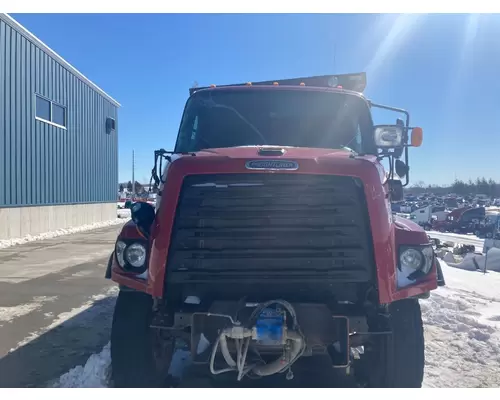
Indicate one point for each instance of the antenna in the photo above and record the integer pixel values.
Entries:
(133, 173)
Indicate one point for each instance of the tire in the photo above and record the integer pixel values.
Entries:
(408, 344)
(133, 361)
(399, 361)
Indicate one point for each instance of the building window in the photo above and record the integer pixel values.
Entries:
(58, 115)
(50, 112)
(42, 108)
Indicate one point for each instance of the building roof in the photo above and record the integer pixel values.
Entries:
(32, 38)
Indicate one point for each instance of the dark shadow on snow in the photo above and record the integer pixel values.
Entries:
(58, 350)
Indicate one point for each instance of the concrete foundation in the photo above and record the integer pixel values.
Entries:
(17, 222)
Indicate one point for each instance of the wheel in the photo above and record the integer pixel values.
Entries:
(398, 360)
(427, 227)
(139, 356)
(456, 230)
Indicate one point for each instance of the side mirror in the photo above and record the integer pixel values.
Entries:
(396, 189)
(143, 215)
(401, 168)
(388, 136)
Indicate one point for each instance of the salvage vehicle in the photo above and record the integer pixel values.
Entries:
(426, 216)
(490, 228)
(463, 220)
(273, 243)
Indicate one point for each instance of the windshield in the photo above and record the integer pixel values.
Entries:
(299, 118)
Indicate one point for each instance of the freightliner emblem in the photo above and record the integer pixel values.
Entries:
(272, 165)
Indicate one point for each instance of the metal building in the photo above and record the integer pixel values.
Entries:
(58, 140)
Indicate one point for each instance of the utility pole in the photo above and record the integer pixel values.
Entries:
(334, 57)
(133, 173)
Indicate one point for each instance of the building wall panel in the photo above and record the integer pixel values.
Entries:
(42, 164)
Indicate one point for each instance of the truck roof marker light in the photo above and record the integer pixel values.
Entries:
(275, 83)
(417, 137)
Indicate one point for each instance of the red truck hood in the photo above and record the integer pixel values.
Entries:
(408, 232)
(310, 160)
(290, 152)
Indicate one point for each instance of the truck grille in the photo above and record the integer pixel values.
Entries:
(272, 227)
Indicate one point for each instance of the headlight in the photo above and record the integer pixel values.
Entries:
(411, 258)
(388, 136)
(415, 262)
(428, 253)
(136, 255)
(119, 252)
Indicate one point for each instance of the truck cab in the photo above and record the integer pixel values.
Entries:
(424, 216)
(463, 220)
(273, 244)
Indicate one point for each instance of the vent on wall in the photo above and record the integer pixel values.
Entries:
(110, 125)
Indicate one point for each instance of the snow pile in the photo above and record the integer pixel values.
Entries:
(123, 213)
(461, 323)
(468, 263)
(472, 261)
(94, 374)
(60, 232)
(449, 257)
(491, 259)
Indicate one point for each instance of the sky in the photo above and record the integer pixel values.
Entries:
(444, 69)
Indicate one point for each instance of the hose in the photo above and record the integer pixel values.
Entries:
(225, 351)
(212, 360)
(243, 336)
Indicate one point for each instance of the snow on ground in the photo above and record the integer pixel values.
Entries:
(66, 316)
(458, 239)
(60, 232)
(123, 213)
(462, 324)
(8, 314)
(94, 374)
(462, 332)
(456, 235)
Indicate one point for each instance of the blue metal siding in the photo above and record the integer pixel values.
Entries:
(40, 163)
